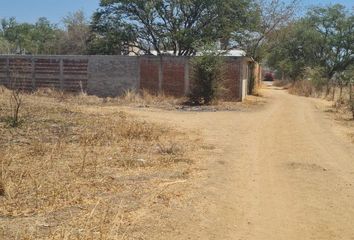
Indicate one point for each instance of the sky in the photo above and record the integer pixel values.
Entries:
(55, 10)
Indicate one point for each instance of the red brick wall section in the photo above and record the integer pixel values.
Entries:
(232, 82)
(30, 73)
(47, 73)
(173, 76)
(75, 75)
(20, 73)
(3, 72)
(149, 74)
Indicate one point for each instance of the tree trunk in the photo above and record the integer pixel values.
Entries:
(351, 98)
(328, 89)
(333, 92)
(340, 91)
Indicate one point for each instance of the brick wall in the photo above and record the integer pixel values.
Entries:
(233, 77)
(32, 72)
(110, 76)
(164, 74)
(150, 74)
(173, 71)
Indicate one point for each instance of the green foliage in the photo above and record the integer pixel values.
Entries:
(268, 17)
(207, 78)
(38, 38)
(162, 25)
(44, 37)
(5, 46)
(77, 31)
(316, 76)
(324, 38)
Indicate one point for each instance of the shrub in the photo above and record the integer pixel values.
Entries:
(15, 105)
(316, 78)
(207, 75)
(302, 88)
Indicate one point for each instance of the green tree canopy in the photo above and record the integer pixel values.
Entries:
(323, 38)
(180, 26)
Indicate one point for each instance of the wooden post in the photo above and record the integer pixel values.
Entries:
(160, 75)
(61, 76)
(8, 80)
(33, 74)
(186, 77)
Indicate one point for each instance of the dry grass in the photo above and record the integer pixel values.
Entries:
(302, 88)
(283, 84)
(144, 99)
(72, 173)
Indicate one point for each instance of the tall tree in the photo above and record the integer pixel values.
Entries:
(323, 38)
(272, 15)
(25, 38)
(76, 34)
(333, 30)
(180, 26)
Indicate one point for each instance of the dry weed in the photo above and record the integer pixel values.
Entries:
(65, 172)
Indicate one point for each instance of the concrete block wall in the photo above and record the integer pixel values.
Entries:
(111, 76)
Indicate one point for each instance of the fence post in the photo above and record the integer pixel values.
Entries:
(61, 76)
(33, 74)
(186, 77)
(8, 72)
(160, 74)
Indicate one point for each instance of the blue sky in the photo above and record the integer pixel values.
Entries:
(55, 10)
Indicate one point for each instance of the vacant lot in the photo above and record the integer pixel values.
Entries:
(72, 170)
(84, 168)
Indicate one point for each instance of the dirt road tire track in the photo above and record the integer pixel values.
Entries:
(279, 173)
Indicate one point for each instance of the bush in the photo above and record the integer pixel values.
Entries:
(207, 75)
(302, 88)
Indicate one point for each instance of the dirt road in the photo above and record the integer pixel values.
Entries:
(279, 173)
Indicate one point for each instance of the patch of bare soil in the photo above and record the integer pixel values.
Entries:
(68, 173)
(281, 172)
(340, 114)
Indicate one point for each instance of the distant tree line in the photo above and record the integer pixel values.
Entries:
(179, 27)
(316, 52)
(43, 37)
(322, 40)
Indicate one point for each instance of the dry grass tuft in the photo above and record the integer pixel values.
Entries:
(75, 171)
(282, 83)
(302, 88)
(2, 189)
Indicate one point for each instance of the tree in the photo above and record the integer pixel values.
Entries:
(323, 38)
(5, 46)
(179, 26)
(108, 35)
(207, 76)
(333, 37)
(272, 15)
(291, 50)
(76, 34)
(25, 38)
(44, 37)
